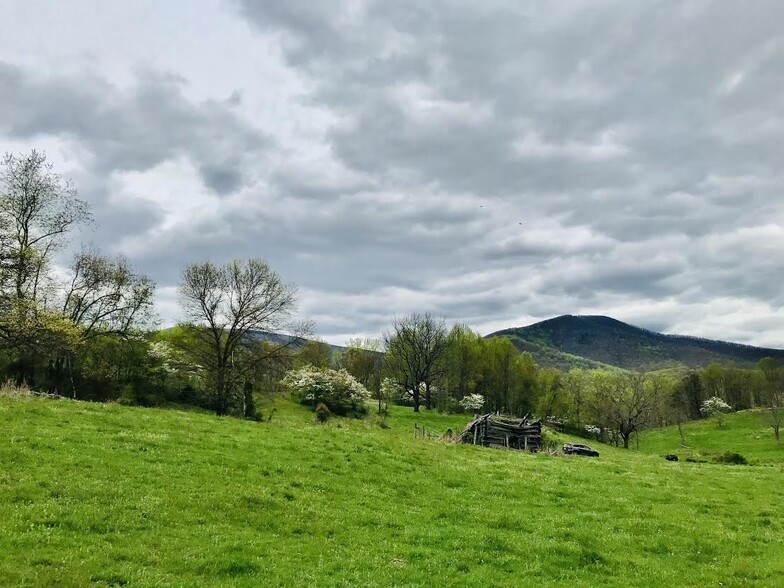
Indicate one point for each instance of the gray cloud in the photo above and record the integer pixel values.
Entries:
(640, 122)
(134, 129)
(495, 162)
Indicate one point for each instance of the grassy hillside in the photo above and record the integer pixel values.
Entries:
(104, 495)
(747, 433)
(608, 341)
(547, 356)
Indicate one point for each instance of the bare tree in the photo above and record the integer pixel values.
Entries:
(415, 349)
(224, 304)
(105, 296)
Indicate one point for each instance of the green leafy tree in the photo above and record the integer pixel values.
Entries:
(103, 298)
(509, 380)
(364, 359)
(552, 401)
(38, 208)
(463, 363)
(50, 327)
(687, 397)
(315, 353)
(713, 382)
(575, 387)
(624, 403)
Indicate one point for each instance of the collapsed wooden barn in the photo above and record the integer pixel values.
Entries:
(494, 430)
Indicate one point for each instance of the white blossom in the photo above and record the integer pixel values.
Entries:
(472, 402)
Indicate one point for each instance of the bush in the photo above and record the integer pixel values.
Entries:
(322, 413)
(715, 406)
(472, 402)
(731, 458)
(338, 390)
(550, 440)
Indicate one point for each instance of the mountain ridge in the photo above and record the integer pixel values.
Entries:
(603, 340)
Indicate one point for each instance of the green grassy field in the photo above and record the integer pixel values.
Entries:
(747, 433)
(105, 495)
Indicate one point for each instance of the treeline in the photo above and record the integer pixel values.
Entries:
(86, 331)
(73, 330)
(442, 369)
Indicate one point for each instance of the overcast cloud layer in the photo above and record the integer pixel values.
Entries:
(495, 162)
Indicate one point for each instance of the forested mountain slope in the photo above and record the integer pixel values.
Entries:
(578, 341)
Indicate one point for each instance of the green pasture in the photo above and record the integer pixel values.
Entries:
(747, 433)
(107, 495)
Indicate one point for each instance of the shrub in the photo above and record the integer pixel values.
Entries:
(381, 422)
(322, 413)
(338, 390)
(472, 402)
(550, 440)
(731, 458)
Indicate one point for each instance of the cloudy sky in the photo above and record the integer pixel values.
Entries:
(496, 162)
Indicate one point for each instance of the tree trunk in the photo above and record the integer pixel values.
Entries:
(220, 394)
(427, 396)
(680, 432)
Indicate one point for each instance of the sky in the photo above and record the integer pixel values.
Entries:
(495, 163)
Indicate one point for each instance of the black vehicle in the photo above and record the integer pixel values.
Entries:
(579, 449)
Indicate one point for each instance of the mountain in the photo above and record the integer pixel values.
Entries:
(571, 341)
(293, 342)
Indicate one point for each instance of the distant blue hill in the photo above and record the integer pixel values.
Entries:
(294, 342)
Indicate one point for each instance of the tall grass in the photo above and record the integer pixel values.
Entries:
(11, 389)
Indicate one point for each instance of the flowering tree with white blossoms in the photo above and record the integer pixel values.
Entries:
(391, 390)
(715, 406)
(337, 389)
(472, 402)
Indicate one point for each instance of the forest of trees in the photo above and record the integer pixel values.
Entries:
(87, 330)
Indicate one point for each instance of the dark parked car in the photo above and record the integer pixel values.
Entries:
(579, 449)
